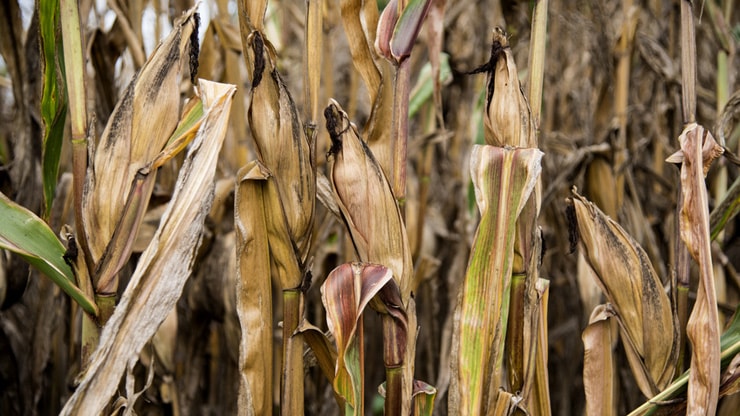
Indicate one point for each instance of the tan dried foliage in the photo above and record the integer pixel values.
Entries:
(630, 284)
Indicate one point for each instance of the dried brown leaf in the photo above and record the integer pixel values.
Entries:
(254, 291)
(699, 149)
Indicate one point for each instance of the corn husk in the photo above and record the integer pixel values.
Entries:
(138, 129)
(164, 266)
(642, 308)
(366, 201)
(280, 141)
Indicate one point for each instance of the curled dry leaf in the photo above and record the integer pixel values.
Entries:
(164, 266)
(366, 201)
(346, 292)
(254, 291)
(599, 340)
(629, 282)
(698, 150)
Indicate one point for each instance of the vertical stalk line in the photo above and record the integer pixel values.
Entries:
(291, 390)
(688, 63)
(537, 50)
(75, 79)
(400, 129)
(688, 107)
(621, 98)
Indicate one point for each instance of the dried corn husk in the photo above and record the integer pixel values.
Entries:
(138, 129)
(281, 144)
(366, 201)
(164, 266)
(642, 307)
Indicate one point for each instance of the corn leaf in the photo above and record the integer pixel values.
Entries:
(31, 238)
(408, 27)
(423, 398)
(164, 266)
(674, 396)
(53, 98)
(359, 46)
(503, 180)
(698, 150)
(726, 210)
(347, 290)
(254, 292)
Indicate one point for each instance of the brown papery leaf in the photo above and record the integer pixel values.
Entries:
(630, 284)
(346, 292)
(138, 129)
(164, 266)
(698, 148)
(254, 291)
(366, 201)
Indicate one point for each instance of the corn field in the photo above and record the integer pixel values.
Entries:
(348, 207)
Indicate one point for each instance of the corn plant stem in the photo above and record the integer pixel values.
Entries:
(400, 128)
(291, 386)
(91, 327)
(688, 63)
(74, 74)
(394, 349)
(537, 59)
(393, 390)
(621, 98)
(688, 107)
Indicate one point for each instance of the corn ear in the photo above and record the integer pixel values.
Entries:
(165, 265)
(698, 150)
(366, 201)
(508, 120)
(136, 132)
(280, 141)
(642, 308)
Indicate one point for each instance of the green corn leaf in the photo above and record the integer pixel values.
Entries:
(53, 99)
(503, 178)
(31, 238)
